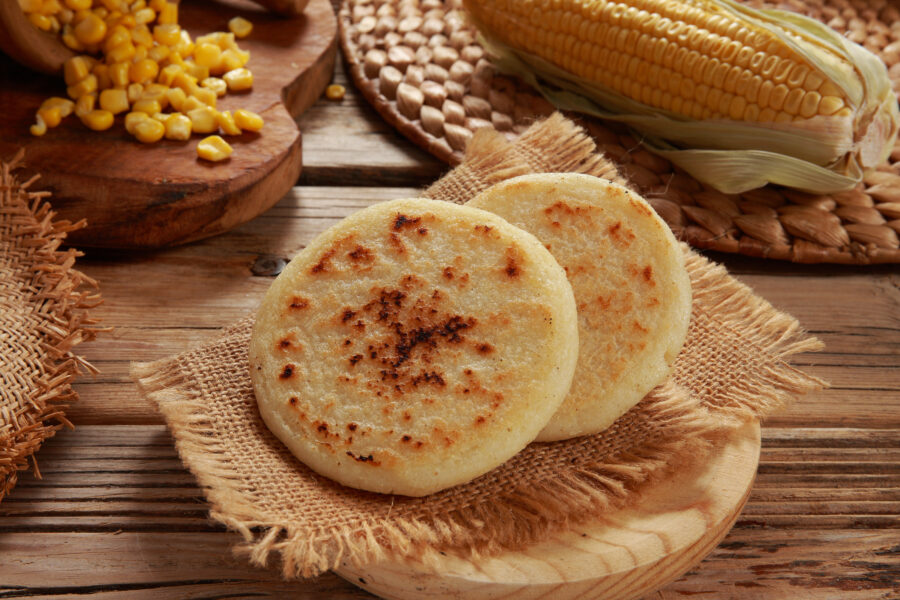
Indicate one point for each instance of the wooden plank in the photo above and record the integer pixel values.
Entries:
(749, 564)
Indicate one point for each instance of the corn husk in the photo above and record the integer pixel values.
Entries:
(823, 154)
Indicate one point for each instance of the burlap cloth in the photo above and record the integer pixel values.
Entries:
(733, 367)
(44, 306)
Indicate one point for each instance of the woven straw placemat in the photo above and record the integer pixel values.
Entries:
(44, 306)
(733, 368)
(418, 62)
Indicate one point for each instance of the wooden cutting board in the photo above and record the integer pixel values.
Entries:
(676, 522)
(135, 195)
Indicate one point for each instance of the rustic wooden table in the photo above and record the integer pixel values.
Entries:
(117, 516)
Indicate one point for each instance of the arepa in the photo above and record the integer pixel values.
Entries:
(631, 288)
(414, 346)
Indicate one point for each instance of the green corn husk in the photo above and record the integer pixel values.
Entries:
(822, 154)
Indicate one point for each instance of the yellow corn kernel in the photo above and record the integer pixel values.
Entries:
(167, 35)
(185, 46)
(123, 52)
(161, 117)
(64, 105)
(190, 103)
(176, 98)
(238, 80)
(228, 61)
(113, 4)
(144, 16)
(69, 39)
(114, 101)
(78, 4)
(178, 127)
(155, 91)
(90, 30)
(247, 120)
(135, 91)
(157, 5)
(196, 71)
(31, 6)
(85, 104)
(132, 118)
(227, 124)
(101, 72)
(39, 128)
(168, 14)
(118, 74)
(137, 5)
(88, 85)
(65, 16)
(77, 68)
(118, 34)
(207, 97)
(142, 36)
(143, 71)
(98, 120)
(203, 120)
(215, 84)
(149, 130)
(52, 116)
(335, 92)
(151, 107)
(207, 54)
(184, 81)
(240, 27)
(168, 73)
(158, 53)
(42, 22)
(213, 148)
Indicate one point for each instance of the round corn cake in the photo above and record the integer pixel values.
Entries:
(414, 346)
(631, 288)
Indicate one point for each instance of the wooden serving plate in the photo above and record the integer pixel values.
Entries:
(677, 521)
(144, 196)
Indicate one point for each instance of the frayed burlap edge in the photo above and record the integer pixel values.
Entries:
(527, 515)
(62, 296)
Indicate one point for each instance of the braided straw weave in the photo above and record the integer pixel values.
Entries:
(44, 306)
(419, 64)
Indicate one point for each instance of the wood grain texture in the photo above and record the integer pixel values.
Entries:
(139, 196)
(117, 517)
(628, 552)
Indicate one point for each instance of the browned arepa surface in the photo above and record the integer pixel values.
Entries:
(630, 284)
(413, 346)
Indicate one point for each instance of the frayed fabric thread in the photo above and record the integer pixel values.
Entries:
(44, 313)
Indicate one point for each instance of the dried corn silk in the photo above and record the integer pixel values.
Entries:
(44, 305)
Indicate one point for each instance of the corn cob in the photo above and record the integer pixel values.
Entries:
(738, 97)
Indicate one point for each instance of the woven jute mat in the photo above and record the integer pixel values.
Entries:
(420, 65)
(44, 304)
(733, 368)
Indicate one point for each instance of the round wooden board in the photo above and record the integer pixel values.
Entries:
(627, 554)
(145, 196)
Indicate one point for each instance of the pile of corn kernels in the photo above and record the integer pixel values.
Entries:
(137, 60)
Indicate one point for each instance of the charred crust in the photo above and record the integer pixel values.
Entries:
(355, 359)
(648, 274)
(347, 315)
(512, 269)
(369, 459)
(484, 348)
(406, 438)
(322, 265)
(361, 254)
(483, 229)
(352, 426)
(287, 372)
(298, 303)
(448, 273)
(401, 221)
(397, 243)
(293, 400)
(422, 231)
